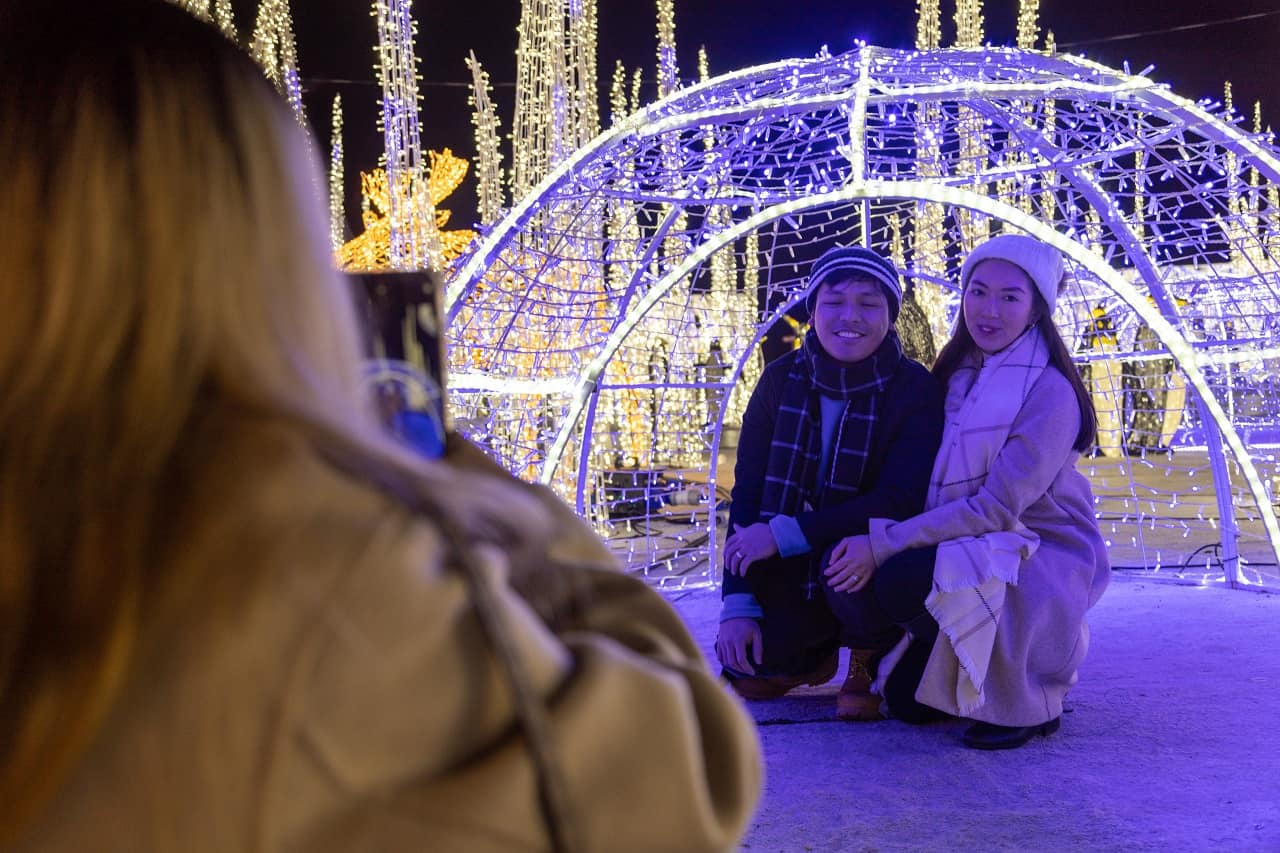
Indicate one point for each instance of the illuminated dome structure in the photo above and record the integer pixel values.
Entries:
(606, 331)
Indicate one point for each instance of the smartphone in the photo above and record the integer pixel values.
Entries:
(402, 319)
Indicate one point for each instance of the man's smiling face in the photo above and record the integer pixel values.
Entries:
(851, 317)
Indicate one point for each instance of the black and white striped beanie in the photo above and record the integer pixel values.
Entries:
(855, 261)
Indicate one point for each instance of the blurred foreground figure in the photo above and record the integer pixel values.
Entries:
(234, 615)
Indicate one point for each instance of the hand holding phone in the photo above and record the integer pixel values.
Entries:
(403, 323)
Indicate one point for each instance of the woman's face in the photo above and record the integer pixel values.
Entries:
(998, 304)
(851, 318)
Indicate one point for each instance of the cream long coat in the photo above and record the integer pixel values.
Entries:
(1041, 635)
(350, 703)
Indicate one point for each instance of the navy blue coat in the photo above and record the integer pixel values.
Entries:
(904, 443)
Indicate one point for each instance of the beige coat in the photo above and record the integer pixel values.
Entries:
(349, 702)
(1041, 636)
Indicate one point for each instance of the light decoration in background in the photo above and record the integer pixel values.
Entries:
(414, 234)
(583, 29)
(637, 77)
(618, 94)
(583, 310)
(556, 112)
(1028, 24)
(199, 8)
(225, 19)
(640, 418)
(974, 147)
(372, 249)
(273, 47)
(929, 257)
(1254, 249)
(556, 91)
(969, 24)
(337, 178)
(668, 69)
(488, 151)
(928, 24)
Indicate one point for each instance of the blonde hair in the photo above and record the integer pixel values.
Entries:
(164, 255)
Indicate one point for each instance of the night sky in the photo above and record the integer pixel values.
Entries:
(336, 37)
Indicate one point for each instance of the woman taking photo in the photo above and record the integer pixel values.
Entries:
(993, 579)
(235, 614)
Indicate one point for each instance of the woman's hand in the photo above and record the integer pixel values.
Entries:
(851, 565)
(748, 545)
(735, 638)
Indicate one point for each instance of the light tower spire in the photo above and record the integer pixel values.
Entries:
(618, 94)
(226, 21)
(928, 225)
(556, 90)
(969, 23)
(337, 178)
(488, 152)
(973, 147)
(415, 239)
(580, 63)
(928, 24)
(1028, 24)
(199, 8)
(668, 70)
(273, 47)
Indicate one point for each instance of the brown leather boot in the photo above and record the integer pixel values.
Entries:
(855, 701)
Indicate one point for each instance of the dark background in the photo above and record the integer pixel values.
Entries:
(1194, 47)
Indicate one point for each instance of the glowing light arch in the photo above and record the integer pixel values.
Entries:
(1183, 353)
(693, 174)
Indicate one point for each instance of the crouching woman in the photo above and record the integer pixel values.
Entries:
(993, 579)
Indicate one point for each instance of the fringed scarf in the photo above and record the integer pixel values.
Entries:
(972, 573)
(792, 479)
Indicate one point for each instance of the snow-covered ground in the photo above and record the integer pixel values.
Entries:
(1171, 742)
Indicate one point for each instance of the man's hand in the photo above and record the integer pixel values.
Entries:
(735, 638)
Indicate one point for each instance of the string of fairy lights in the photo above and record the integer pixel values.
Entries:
(337, 178)
(221, 14)
(484, 118)
(274, 48)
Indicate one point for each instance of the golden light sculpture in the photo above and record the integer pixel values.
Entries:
(371, 250)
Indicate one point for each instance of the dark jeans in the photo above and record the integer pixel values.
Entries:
(874, 617)
(805, 622)
(798, 628)
(896, 593)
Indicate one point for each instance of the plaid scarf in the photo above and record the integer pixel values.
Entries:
(792, 480)
(972, 573)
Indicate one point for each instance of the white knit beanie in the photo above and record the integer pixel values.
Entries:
(1041, 262)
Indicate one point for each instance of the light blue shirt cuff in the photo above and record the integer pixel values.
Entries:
(740, 605)
(789, 536)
